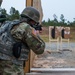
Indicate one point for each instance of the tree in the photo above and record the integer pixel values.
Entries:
(14, 14)
(62, 18)
(55, 18)
(4, 11)
(12, 10)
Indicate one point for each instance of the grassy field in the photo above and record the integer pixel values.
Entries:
(45, 38)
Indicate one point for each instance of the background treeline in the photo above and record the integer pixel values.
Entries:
(55, 22)
(14, 14)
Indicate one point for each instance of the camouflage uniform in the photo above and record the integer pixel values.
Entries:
(23, 31)
(8, 68)
(20, 32)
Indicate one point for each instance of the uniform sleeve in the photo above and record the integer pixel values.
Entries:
(35, 43)
(24, 33)
(18, 31)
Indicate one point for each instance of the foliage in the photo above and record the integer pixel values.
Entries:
(55, 22)
(14, 14)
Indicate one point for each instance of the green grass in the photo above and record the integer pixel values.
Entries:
(45, 38)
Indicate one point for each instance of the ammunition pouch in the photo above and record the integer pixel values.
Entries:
(16, 50)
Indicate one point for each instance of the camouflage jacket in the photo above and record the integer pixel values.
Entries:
(21, 32)
(25, 33)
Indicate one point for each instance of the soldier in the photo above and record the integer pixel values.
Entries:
(16, 41)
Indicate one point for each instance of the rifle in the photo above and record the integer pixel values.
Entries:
(37, 27)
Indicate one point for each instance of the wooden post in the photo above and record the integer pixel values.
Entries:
(29, 3)
(27, 63)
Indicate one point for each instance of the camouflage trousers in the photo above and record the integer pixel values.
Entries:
(8, 68)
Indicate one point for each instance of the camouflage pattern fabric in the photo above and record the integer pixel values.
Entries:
(6, 43)
(9, 65)
(24, 32)
(8, 68)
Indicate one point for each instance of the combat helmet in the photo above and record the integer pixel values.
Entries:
(31, 13)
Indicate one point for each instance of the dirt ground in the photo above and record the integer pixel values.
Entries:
(55, 59)
(64, 58)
